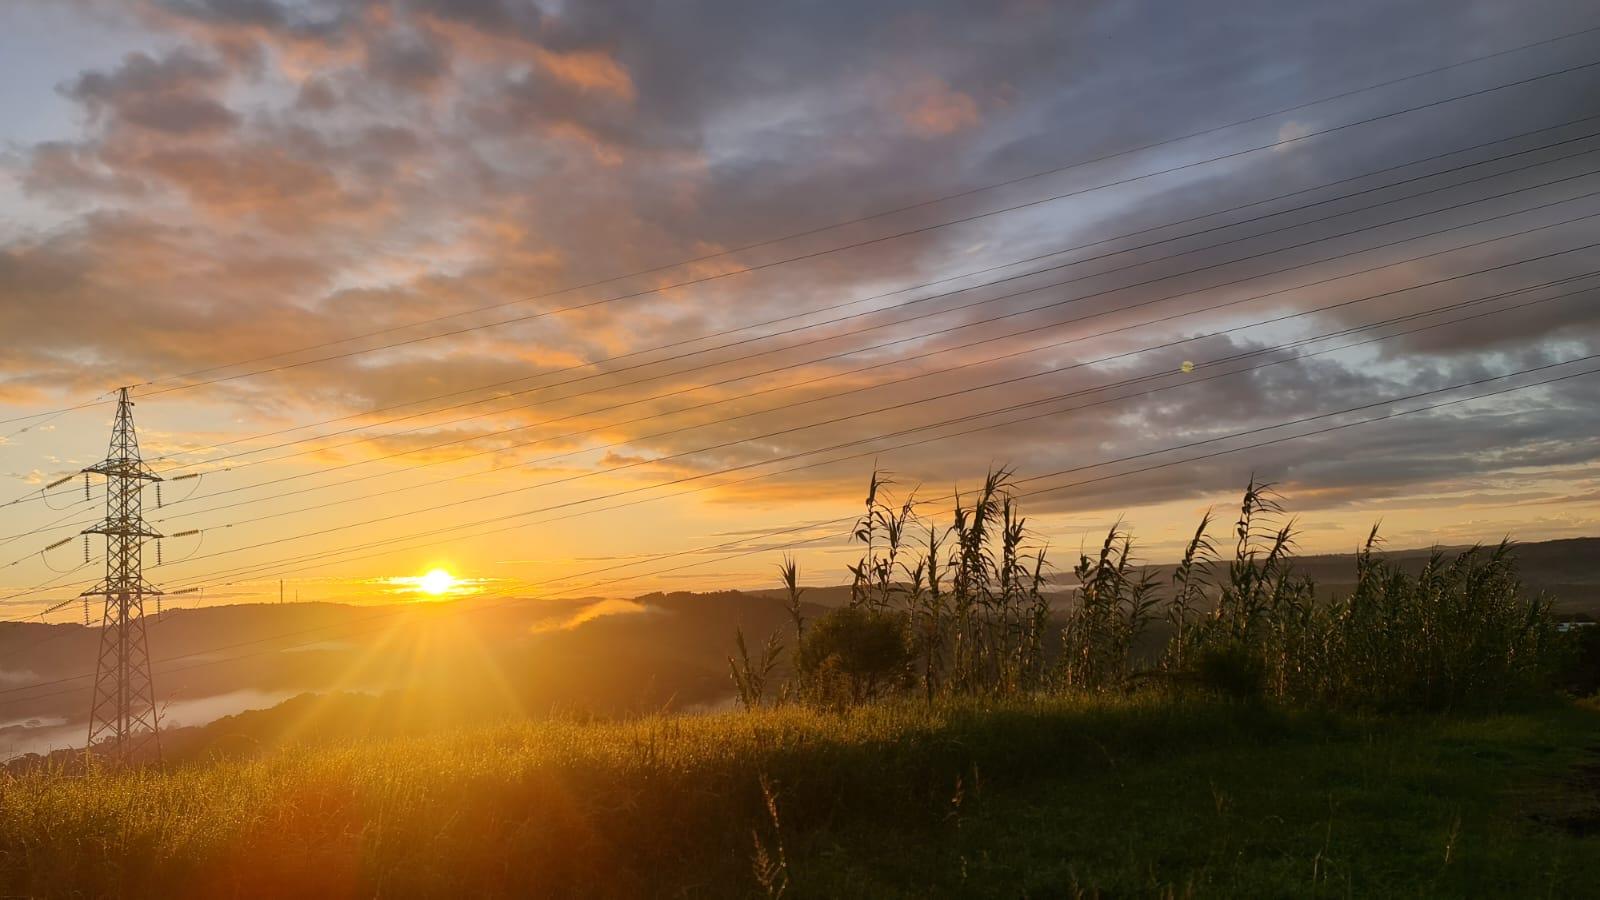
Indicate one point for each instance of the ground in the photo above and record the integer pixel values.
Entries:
(1145, 796)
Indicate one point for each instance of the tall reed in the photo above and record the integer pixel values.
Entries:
(962, 609)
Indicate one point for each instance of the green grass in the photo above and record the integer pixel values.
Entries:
(1141, 796)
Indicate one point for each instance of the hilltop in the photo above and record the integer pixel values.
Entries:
(1568, 570)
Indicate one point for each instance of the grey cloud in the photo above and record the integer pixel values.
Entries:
(174, 94)
(412, 61)
(437, 161)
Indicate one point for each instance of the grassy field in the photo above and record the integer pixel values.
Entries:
(1146, 796)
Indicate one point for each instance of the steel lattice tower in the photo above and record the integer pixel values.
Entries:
(124, 708)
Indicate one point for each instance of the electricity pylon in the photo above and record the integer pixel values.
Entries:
(124, 708)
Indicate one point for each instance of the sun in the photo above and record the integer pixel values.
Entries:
(437, 582)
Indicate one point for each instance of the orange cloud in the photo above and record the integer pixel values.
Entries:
(591, 71)
(940, 110)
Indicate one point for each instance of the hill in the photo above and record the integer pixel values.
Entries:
(596, 655)
(1568, 570)
(600, 656)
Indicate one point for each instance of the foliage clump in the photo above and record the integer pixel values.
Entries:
(854, 654)
(963, 610)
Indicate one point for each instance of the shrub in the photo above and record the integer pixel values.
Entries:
(854, 654)
(1231, 668)
(1581, 675)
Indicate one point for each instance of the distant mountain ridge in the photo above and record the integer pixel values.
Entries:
(1567, 569)
(526, 656)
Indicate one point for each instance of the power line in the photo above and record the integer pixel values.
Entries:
(968, 274)
(936, 200)
(920, 336)
(1282, 249)
(792, 456)
(1055, 488)
(1269, 294)
(389, 543)
(1289, 289)
(1145, 324)
(544, 484)
(1345, 212)
(880, 239)
(1057, 370)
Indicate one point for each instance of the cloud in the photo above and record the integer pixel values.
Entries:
(589, 71)
(141, 76)
(254, 176)
(407, 61)
(936, 110)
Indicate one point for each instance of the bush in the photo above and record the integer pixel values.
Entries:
(854, 654)
(1582, 673)
(1233, 669)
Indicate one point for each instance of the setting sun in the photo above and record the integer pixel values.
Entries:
(436, 582)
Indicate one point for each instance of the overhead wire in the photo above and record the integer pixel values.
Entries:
(1017, 313)
(880, 239)
(1285, 290)
(1282, 141)
(867, 329)
(944, 280)
(253, 569)
(1280, 271)
(210, 657)
(1279, 249)
(296, 564)
(790, 406)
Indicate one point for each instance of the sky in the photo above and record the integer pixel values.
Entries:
(541, 292)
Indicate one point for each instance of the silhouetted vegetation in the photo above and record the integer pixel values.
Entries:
(962, 611)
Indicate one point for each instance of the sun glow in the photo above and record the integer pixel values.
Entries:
(437, 582)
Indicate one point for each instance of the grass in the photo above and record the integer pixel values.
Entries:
(1145, 795)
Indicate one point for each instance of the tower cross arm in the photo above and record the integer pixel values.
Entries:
(123, 468)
